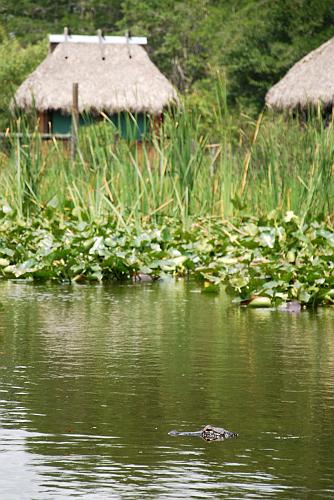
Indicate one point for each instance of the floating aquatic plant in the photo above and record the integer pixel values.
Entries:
(278, 258)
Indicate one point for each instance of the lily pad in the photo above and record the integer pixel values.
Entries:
(263, 302)
(210, 288)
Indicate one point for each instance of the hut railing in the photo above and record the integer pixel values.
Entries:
(21, 135)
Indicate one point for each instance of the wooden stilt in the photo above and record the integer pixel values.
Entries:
(75, 120)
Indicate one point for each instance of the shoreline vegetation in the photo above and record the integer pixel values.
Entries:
(274, 257)
(245, 204)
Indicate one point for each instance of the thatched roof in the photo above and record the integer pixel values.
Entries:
(109, 80)
(309, 82)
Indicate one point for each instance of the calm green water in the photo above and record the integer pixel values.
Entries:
(92, 379)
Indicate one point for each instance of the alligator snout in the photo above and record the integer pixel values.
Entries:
(208, 433)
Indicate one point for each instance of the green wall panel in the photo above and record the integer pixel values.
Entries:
(130, 127)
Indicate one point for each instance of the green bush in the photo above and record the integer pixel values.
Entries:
(16, 62)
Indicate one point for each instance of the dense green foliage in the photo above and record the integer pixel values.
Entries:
(112, 212)
(178, 173)
(275, 35)
(251, 43)
(254, 213)
(281, 258)
(16, 61)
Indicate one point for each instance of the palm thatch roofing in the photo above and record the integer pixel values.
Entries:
(309, 82)
(111, 77)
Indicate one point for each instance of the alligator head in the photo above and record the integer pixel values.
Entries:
(208, 433)
(211, 433)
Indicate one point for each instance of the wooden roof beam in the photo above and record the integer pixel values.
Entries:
(117, 40)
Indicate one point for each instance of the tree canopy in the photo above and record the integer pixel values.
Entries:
(252, 42)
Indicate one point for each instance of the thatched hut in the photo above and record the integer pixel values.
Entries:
(115, 77)
(310, 82)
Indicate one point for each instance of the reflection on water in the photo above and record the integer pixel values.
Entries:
(92, 378)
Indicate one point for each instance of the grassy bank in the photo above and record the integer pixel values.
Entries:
(245, 204)
(233, 168)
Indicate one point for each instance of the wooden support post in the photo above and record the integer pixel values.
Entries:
(43, 122)
(75, 120)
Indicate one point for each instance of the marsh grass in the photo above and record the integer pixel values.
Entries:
(179, 171)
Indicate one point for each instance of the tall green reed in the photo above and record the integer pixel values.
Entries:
(255, 167)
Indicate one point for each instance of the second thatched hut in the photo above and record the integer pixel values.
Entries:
(115, 76)
(310, 82)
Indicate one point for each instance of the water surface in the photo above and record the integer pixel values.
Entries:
(92, 378)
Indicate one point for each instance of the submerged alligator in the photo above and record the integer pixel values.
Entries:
(208, 433)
